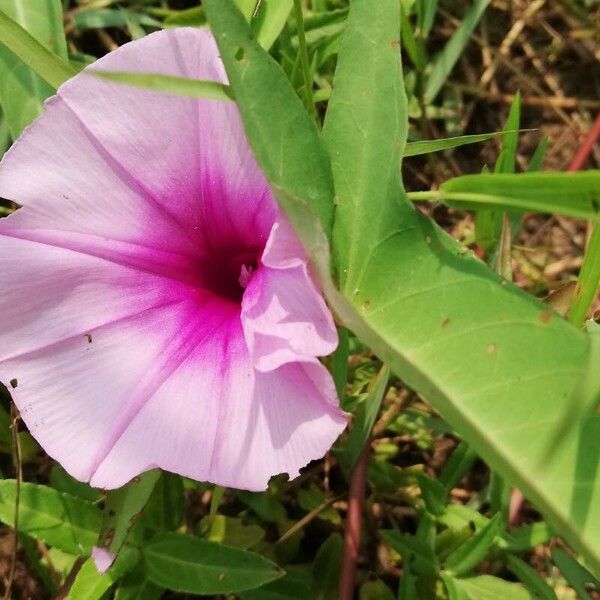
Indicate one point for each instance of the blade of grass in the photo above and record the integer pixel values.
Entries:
(570, 194)
(46, 64)
(444, 63)
(588, 281)
(428, 146)
(169, 84)
(306, 70)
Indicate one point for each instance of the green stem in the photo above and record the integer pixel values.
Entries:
(589, 278)
(308, 93)
(432, 195)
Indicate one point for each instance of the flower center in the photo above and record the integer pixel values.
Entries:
(228, 275)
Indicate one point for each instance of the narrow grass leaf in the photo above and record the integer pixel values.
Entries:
(577, 576)
(588, 280)
(22, 92)
(445, 61)
(468, 555)
(168, 84)
(571, 194)
(429, 146)
(530, 578)
(34, 54)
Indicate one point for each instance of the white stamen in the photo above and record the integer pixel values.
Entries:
(245, 275)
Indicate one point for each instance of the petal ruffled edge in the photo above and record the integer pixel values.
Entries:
(285, 318)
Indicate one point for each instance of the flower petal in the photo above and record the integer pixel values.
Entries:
(103, 559)
(285, 319)
(79, 395)
(189, 155)
(290, 418)
(67, 185)
(50, 294)
(216, 419)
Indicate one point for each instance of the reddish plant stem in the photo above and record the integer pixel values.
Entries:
(356, 502)
(586, 147)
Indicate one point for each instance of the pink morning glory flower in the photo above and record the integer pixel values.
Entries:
(156, 309)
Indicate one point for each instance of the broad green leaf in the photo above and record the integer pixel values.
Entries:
(367, 89)
(364, 419)
(429, 146)
(572, 194)
(326, 566)
(22, 92)
(164, 511)
(246, 7)
(168, 84)
(135, 586)
(414, 296)
(194, 566)
(232, 532)
(123, 507)
(282, 134)
(419, 554)
(264, 504)
(445, 61)
(375, 590)
(486, 587)
(466, 557)
(269, 20)
(55, 518)
(90, 585)
(31, 52)
(63, 482)
(532, 580)
(294, 585)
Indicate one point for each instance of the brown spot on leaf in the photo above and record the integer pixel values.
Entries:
(491, 348)
(428, 240)
(546, 315)
(395, 44)
(365, 305)
(445, 322)
(108, 537)
(221, 576)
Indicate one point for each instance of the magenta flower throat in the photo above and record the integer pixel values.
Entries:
(157, 310)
